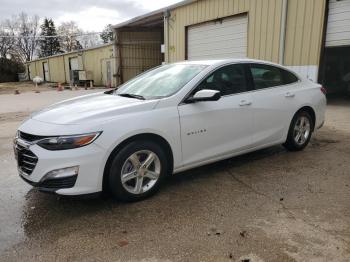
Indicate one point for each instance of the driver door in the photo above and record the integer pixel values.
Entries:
(214, 129)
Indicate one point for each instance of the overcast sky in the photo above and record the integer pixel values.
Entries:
(91, 15)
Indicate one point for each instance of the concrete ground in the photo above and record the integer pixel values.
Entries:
(271, 205)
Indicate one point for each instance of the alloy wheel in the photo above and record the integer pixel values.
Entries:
(140, 172)
(302, 130)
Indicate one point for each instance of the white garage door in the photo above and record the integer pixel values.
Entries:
(220, 39)
(338, 27)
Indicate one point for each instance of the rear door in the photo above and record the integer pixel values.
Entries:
(274, 102)
(215, 128)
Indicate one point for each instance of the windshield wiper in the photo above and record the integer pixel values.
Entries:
(132, 96)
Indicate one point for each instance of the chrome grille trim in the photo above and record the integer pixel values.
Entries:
(26, 159)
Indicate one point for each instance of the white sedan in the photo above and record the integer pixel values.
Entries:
(166, 120)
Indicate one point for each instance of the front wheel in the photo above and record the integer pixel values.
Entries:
(300, 131)
(137, 171)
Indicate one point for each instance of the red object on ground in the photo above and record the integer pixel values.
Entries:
(59, 87)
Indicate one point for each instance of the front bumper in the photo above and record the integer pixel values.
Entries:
(52, 185)
(89, 159)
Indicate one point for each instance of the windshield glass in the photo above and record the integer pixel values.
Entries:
(160, 82)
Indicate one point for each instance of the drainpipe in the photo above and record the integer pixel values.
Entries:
(166, 35)
(115, 61)
(120, 60)
(283, 31)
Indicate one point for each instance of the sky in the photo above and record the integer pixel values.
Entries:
(91, 15)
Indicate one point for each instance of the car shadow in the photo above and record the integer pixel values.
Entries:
(51, 212)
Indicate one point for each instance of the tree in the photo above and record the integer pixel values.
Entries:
(6, 41)
(107, 34)
(9, 69)
(89, 39)
(68, 35)
(49, 43)
(26, 30)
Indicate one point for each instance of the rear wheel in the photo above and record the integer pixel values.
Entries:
(137, 171)
(300, 131)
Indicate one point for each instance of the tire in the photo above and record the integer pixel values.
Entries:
(299, 134)
(131, 177)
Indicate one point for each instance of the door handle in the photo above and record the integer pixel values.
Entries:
(289, 94)
(245, 103)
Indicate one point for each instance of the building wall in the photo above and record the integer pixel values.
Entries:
(99, 58)
(55, 68)
(93, 60)
(303, 29)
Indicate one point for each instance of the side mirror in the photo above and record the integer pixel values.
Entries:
(205, 95)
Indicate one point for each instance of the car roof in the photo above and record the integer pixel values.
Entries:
(217, 62)
(220, 62)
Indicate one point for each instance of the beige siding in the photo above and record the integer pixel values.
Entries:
(99, 56)
(56, 69)
(93, 60)
(303, 33)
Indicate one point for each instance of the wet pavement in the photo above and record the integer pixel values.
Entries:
(270, 205)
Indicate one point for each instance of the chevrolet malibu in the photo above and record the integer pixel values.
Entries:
(166, 120)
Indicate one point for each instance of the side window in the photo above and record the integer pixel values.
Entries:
(228, 80)
(288, 77)
(265, 76)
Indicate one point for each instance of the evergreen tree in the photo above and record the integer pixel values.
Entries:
(49, 45)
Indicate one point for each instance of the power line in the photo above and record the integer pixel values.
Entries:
(49, 36)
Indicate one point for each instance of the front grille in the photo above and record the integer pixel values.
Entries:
(26, 159)
(30, 137)
(58, 183)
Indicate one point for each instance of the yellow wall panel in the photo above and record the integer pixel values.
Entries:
(304, 32)
(303, 29)
(90, 60)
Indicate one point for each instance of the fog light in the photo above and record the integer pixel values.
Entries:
(63, 172)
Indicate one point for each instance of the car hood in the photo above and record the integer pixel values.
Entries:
(95, 107)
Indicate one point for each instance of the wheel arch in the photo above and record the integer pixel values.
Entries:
(143, 136)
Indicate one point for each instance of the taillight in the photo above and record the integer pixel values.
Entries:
(323, 90)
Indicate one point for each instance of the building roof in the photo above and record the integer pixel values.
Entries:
(72, 52)
(151, 16)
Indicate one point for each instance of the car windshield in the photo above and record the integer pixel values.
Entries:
(160, 82)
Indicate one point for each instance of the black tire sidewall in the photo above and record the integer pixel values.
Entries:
(114, 176)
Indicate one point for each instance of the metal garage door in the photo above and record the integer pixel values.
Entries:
(225, 38)
(338, 27)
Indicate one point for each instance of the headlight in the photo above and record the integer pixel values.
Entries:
(68, 142)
